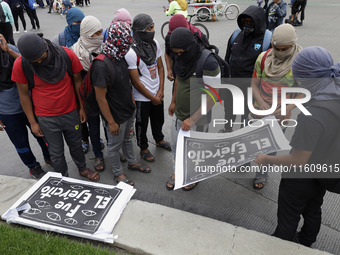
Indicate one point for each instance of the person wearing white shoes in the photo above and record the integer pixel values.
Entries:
(6, 26)
(17, 11)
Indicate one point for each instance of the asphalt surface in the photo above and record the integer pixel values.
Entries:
(230, 200)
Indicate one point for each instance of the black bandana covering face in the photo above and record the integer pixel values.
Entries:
(185, 64)
(118, 41)
(143, 42)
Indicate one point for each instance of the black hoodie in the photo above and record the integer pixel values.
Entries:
(242, 54)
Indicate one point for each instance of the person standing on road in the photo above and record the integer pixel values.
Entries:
(12, 117)
(186, 107)
(115, 100)
(273, 69)
(71, 33)
(275, 13)
(32, 14)
(6, 28)
(54, 98)
(244, 46)
(147, 76)
(87, 48)
(17, 11)
(314, 135)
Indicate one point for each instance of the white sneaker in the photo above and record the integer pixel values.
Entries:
(25, 31)
(16, 32)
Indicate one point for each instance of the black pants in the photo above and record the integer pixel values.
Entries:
(146, 110)
(7, 31)
(299, 6)
(32, 14)
(296, 198)
(18, 12)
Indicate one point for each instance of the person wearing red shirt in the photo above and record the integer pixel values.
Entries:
(55, 112)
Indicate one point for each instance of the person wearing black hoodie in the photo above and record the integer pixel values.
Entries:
(243, 48)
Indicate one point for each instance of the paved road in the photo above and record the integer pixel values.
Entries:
(230, 200)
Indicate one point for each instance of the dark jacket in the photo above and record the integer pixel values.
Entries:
(243, 52)
(14, 3)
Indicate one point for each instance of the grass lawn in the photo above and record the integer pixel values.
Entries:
(20, 241)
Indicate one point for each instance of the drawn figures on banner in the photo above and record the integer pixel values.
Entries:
(73, 196)
(227, 153)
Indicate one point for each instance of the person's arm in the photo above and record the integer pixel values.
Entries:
(297, 158)
(105, 109)
(168, 62)
(172, 8)
(8, 13)
(4, 47)
(134, 77)
(26, 104)
(160, 67)
(172, 106)
(281, 11)
(77, 83)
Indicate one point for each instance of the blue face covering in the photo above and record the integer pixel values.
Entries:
(72, 34)
(75, 29)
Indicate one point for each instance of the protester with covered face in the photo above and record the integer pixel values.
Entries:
(12, 117)
(115, 100)
(314, 135)
(71, 33)
(147, 76)
(273, 69)
(188, 92)
(244, 46)
(176, 21)
(87, 48)
(55, 114)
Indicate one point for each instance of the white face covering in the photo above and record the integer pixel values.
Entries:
(283, 55)
(86, 45)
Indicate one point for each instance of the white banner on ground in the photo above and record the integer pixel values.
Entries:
(200, 156)
(71, 206)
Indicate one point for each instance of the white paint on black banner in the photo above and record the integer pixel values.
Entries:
(197, 155)
(72, 206)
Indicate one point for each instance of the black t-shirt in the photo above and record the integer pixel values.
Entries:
(315, 133)
(119, 95)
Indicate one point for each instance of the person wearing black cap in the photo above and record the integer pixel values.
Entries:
(55, 107)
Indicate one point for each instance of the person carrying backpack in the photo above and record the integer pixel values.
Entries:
(112, 87)
(244, 46)
(32, 14)
(187, 95)
(6, 22)
(146, 72)
(314, 135)
(12, 117)
(48, 79)
(87, 48)
(273, 69)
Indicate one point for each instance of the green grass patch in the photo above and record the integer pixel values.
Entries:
(17, 240)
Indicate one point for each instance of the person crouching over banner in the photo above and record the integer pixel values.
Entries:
(186, 104)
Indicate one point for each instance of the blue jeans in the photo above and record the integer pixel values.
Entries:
(17, 132)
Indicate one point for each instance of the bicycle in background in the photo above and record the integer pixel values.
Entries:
(211, 9)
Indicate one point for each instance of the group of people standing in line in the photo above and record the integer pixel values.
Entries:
(128, 76)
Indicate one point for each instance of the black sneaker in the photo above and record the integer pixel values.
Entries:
(37, 172)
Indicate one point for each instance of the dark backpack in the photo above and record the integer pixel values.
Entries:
(225, 70)
(30, 75)
(87, 91)
(2, 14)
(333, 152)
